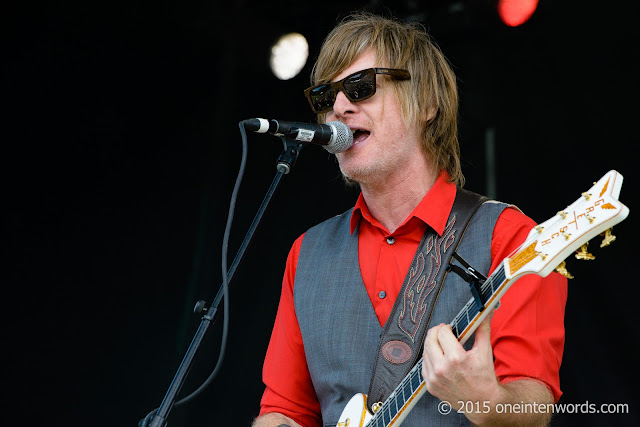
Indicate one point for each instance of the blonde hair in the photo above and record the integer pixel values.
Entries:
(429, 98)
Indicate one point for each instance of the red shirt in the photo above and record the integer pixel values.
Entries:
(527, 331)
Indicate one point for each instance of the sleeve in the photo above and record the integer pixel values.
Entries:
(285, 373)
(527, 330)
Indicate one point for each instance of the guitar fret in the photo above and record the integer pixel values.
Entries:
(462, 324)
(474, 309)
(400, 399)
(406, 390)
(498, 277)
(454, 329)
(415, 382)
(393, 406)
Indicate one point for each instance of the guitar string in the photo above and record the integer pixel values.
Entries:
(406, 381)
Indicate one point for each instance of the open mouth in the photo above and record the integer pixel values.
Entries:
(360, 135)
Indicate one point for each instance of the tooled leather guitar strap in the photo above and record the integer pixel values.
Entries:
(403, 334)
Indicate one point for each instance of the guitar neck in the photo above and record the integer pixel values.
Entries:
(412, 387)
(468, 319)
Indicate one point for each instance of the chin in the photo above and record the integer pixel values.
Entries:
(358, 174)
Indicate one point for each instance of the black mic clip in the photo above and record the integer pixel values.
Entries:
(290, 153)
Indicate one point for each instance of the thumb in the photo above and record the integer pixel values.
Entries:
(483, 333)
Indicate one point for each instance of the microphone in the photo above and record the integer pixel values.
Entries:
(335, 137)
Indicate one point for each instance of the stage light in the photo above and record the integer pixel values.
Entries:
(516, 12)
(289, 55)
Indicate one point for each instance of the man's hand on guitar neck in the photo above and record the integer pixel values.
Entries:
(468, 379)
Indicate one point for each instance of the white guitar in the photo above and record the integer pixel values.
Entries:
(544, 250)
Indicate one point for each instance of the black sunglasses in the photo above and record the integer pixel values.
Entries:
(357, 87)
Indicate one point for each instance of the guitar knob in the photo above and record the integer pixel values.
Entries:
(583, 254)
(562, 269)
(608, 238)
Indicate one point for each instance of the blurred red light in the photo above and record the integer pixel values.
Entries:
(516, 12)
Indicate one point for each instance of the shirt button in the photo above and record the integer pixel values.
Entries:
(382, 294)
(391, 240)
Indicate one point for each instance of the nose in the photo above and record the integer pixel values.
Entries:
(342, 106)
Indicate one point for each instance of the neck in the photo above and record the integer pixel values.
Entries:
(392, 199)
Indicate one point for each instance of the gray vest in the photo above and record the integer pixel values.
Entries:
(339, 327)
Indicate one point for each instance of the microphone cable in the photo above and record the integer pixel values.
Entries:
(225, 284)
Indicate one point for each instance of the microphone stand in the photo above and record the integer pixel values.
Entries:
(286, 160)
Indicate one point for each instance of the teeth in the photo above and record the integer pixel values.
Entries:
(354, 130)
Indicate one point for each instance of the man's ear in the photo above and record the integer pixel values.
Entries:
(431, 113)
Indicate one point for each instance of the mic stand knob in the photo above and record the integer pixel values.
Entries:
(200, 307)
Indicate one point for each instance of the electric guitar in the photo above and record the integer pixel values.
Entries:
(545, 249)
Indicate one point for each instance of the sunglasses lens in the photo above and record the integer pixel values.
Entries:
(357, 87)
(360, 86)
(322, 98)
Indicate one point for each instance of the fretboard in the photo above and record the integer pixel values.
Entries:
(460, 324)
(463, 325)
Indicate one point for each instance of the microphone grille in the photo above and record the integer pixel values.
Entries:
(343, 138)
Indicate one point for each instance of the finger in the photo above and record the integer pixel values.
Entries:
(431, 350)
(432, 346)
(448, 342)
(432, 353)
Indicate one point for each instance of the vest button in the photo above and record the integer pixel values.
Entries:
(382, 294)
(391, 240)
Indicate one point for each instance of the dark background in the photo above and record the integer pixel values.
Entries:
(121, 148)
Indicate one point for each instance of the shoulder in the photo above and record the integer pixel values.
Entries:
(511, 229)
(315, 234)
(330, 225)
(513, 220)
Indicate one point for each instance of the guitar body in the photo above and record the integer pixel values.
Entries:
(355, 414)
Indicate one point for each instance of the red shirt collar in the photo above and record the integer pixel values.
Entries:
(433, 209)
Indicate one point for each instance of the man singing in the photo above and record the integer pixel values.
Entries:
(348, 281)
